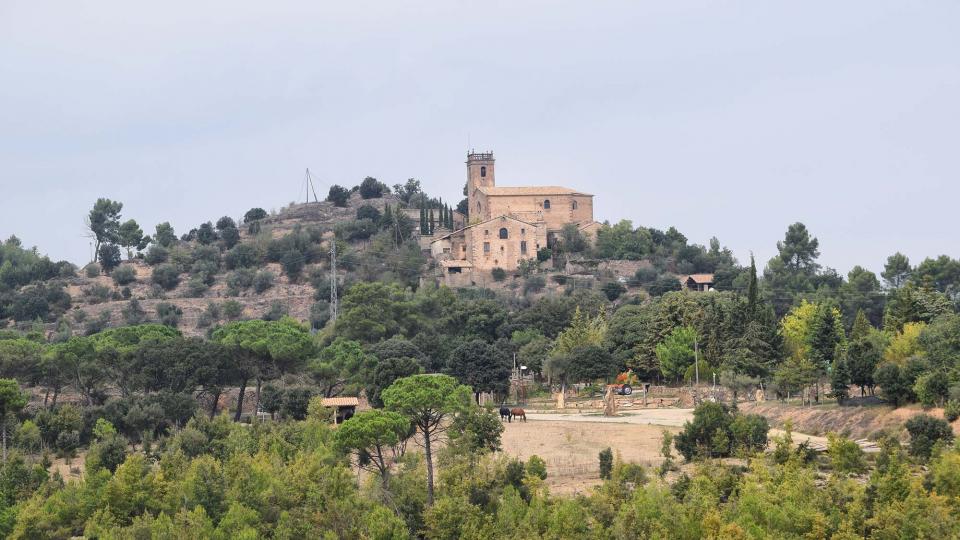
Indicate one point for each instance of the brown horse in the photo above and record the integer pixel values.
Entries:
(517, 412)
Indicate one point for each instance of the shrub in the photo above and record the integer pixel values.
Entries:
(241, 256)
(537, 467)
(846, 456)
(749, 432)
(232, 309)
(931, 388)
(98, 323)
(499, 274)
(92, 270)
(196, 287)
(606, 463)
(124, 275)
(951, 411)
(370, 188)
(166, 275)
(708, 434)
(169, 314)
(338, 195)
(156, 255)
(263, 281)
(109, 257)
(254, 214)
(292, 263)
(133, 314)
(276, 312)
(664, 284)
(368, 212)
(239, 280)
(544, 254)
(645, 275)
(534, 284)
(926, 431)
(613, 290)
(319, 314)
(97, 294)
(295, 403)
(107, 453)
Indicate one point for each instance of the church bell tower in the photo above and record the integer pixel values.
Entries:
(479, 174)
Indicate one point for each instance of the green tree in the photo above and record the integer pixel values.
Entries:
(925, 431)
(130, 236)
(369, 436)
(12, 401)
(482, 366)
(338, 195)
(428, 401)
(109, 257)
(103, 221)
(165, 235)
(676, 352)
(897, 270)
(386, 372)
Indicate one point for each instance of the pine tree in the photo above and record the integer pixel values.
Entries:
(840, 376)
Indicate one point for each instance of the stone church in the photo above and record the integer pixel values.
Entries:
(506, 224)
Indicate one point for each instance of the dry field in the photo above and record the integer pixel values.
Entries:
(570, 448)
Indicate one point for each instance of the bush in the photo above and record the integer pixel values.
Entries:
(276, 312)
(664, 284)
(156, 255)
(92, 270)
(534, 284)
(133, 313)
(370, 188)
(645, 275)
(292, 263)
(338, 195)
(241, 256)
(97, 294)
(708, 434)
(166, 275)
(263, 281)
(749, 433)
(124, 275)
(169, 314)
(232, 309)
(254, 214)
(846, 456)
(544, 254)
(606, 463)
(931, 388)
(613, 290)
(107, 453)
(239, 280)
(951, 411)
(319, 314)
(537, 467)
(109, 257)
(926, 431)
(368, 212)
(499, 274)
(295, 402)
(196, 287)
(98, 323)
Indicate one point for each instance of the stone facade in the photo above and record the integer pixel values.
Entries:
(506, 224)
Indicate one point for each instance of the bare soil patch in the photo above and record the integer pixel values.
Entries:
(571, 449)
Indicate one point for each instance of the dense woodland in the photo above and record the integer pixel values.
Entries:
(162, 460)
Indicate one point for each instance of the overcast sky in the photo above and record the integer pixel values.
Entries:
(727, 119)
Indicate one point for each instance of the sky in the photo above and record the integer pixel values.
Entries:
(726, 119)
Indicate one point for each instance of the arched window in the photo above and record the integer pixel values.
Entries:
(573, 205)
(504, 234)
(483, 172)
(478, 206)
(546, 204)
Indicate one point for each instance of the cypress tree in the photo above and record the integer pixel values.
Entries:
(423, 221)
(752, 292)
(431, 221)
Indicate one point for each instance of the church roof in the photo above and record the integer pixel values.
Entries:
(529, 190)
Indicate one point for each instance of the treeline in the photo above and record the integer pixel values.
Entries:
(299, 479)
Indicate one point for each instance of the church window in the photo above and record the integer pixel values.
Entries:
(483, 172)
(504, 234)
(523, 247)
(546, 204)
(486, 232)
(478, 206)
(486, 247)
(523, 232)
(573, 205)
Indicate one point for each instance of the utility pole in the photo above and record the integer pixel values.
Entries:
(308, 180)
(334, 299)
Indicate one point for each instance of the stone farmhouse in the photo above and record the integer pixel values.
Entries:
(506, 224)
